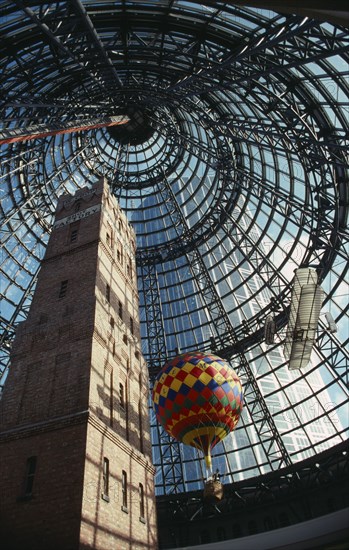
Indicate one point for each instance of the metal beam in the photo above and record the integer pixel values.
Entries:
(266, 429)
(155, 354)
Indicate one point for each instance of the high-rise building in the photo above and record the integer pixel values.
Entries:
(76, 467)
(284, 392)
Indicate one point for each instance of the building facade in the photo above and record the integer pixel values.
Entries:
(75, 441)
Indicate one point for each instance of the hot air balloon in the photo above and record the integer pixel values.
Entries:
(198, 399)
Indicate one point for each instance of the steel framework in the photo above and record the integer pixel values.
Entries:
(233, 170)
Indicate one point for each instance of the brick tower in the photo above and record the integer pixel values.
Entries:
(76, 469)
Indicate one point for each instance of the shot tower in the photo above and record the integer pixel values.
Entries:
(76, 469)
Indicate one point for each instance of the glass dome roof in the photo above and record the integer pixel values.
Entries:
(232, 170)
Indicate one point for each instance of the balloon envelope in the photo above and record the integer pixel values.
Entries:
(198, 399)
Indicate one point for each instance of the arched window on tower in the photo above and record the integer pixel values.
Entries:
(63, 289)
(124, 490)
(73, 232)
(105, 493)
(141, 502)
(29, 476)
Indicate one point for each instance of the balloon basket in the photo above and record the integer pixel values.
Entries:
(213, 491)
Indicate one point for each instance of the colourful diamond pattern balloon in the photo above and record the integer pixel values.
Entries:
(198, 399)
